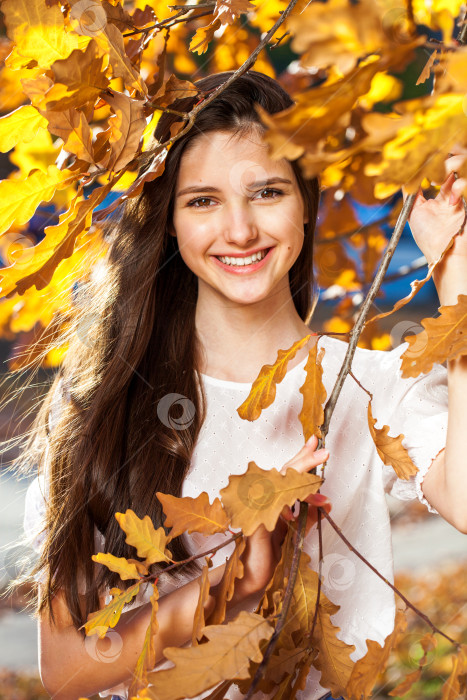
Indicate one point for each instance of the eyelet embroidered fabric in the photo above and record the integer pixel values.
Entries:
(356, 479)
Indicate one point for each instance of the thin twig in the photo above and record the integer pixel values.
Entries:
(318, 592)
(170, 21)
(383, 578)
(152, 577)
(364, 311)
(297, 551)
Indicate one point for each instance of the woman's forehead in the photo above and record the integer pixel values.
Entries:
(230, 155)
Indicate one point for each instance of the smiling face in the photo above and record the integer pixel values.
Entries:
(231, 202)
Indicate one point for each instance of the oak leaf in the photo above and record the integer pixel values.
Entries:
(443, 338)
(405, 685)
(58, 243)
(20, 199)
(456, 684)
(258, 496)
(38, 32)
(100, 621)
(226, 656)
(126, 127)
(79, 79)
(203, 36)
(147, 658)
(120, 565)
(314, 394)
(263, 389)
(367, 669)
(188, 514)
(111, 44)
(333, 659)
(390, 449)
(174, 89)
(20, 125)
(233, 570)
(141, 534)
(199, 621)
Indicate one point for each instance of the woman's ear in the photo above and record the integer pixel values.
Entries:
(171, 230)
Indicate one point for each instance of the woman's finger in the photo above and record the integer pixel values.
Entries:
(306, 462)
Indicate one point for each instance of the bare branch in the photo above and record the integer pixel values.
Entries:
(396, 590)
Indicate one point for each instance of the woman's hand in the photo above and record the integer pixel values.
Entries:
(263, 548)
(434, 222)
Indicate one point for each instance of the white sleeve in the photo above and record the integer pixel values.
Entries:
(417, 408)
(37, 492)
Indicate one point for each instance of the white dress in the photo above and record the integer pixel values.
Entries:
(356, 478)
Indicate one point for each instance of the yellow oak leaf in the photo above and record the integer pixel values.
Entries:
(147, 658)
(111, 44)
(457, 681)
(258, 496)
(405, 685)
(226, 656)
(263, 389)
(193, 514)
(333, 659)
(443, 338)
(233, 570)
(126, 127)
(100, 621)
(367, 669)
(149, 542)
(20, 126)
(390, 449)
(199, 622)
(120, 565)
(38, 31)
(174, 89)
(314, 394)
(19, 199)
(58, 243)
(203, 36)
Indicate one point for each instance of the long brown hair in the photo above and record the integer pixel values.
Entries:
(110, 449)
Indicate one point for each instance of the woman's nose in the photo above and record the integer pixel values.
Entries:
(240, 226)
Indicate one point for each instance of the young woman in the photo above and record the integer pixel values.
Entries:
(209, 273)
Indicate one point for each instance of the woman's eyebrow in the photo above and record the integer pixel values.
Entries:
(254, 186)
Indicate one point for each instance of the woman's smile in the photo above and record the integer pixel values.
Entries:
(241, 265)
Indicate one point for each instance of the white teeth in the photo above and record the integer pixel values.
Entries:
(242, 261)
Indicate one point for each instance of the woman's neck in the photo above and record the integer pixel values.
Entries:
(237, 340)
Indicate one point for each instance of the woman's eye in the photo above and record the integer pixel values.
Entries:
(194, 202)
(274, 192)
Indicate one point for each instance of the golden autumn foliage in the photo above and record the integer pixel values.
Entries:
(82, 93)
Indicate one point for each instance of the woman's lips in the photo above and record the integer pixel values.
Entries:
(243, 269)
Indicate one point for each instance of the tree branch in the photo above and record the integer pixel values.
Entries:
(298, 546)
(383, 578)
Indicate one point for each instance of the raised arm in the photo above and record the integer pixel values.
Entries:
(433, 223)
